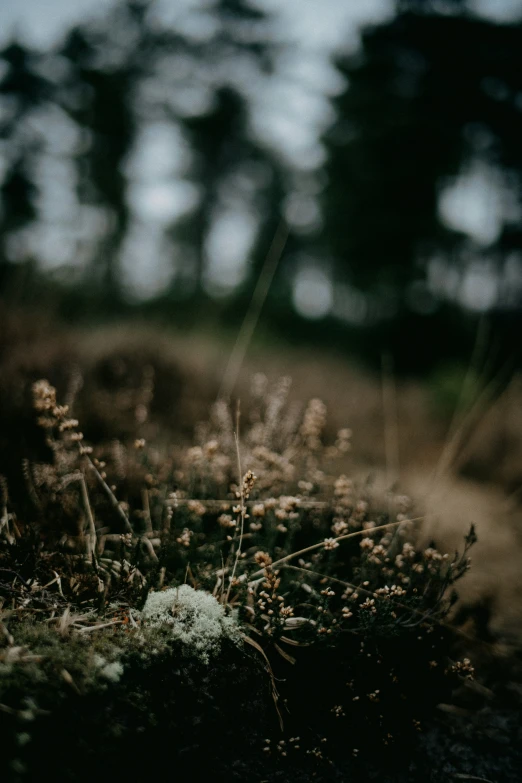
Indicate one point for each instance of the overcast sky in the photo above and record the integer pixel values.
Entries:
(322, 22)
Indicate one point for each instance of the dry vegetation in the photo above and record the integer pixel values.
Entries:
(253, 573)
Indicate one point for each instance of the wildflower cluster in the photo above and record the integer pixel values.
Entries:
(298, 561)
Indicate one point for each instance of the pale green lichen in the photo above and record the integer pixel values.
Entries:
(108, 670)
(193, 617)
(23, 738)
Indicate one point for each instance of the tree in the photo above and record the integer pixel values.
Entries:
(431, 90)
(99, 96)
(113, 75)
(230, 164)
(22, 90)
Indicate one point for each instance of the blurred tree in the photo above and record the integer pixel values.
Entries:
(221, 144)
(231, 167)
(113, 75)
(21, 81)
(99, 95)
(22, 89)
(432, 91)
(233, 171)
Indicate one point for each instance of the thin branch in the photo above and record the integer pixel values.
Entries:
(146, 509)
(391, 420)
(426, 618)
(249, 324)
(111, 496)
(243, 508)
(92, 539)
(320, 544)
(89, 628)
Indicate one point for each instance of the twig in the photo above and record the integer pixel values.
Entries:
(146, 509)
(254, 311)
(91, 538)
(275, 693)
(111, 496)
(456, 438)
(243, 508)
(363, 590)
(320, 544)
(149, 547)
(314, 504)
(391, 423)
(425, 617)
(89, 628)
(10, 571)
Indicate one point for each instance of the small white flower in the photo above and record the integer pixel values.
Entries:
(330, 543)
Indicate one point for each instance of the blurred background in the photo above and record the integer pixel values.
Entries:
(149, 150)
(339, 183)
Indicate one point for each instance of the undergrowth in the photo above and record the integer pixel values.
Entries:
(148, 583)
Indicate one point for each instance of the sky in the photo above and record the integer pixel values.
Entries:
(323, 23)
(291, 118)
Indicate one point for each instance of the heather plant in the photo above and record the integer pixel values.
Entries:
(255, 538)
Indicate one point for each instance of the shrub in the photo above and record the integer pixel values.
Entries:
(322, 580)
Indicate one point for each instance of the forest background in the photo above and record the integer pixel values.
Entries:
(151, 152)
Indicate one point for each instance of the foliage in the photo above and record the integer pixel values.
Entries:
(419, 109)
(84, 107)
(432, 92)
(164, 557)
